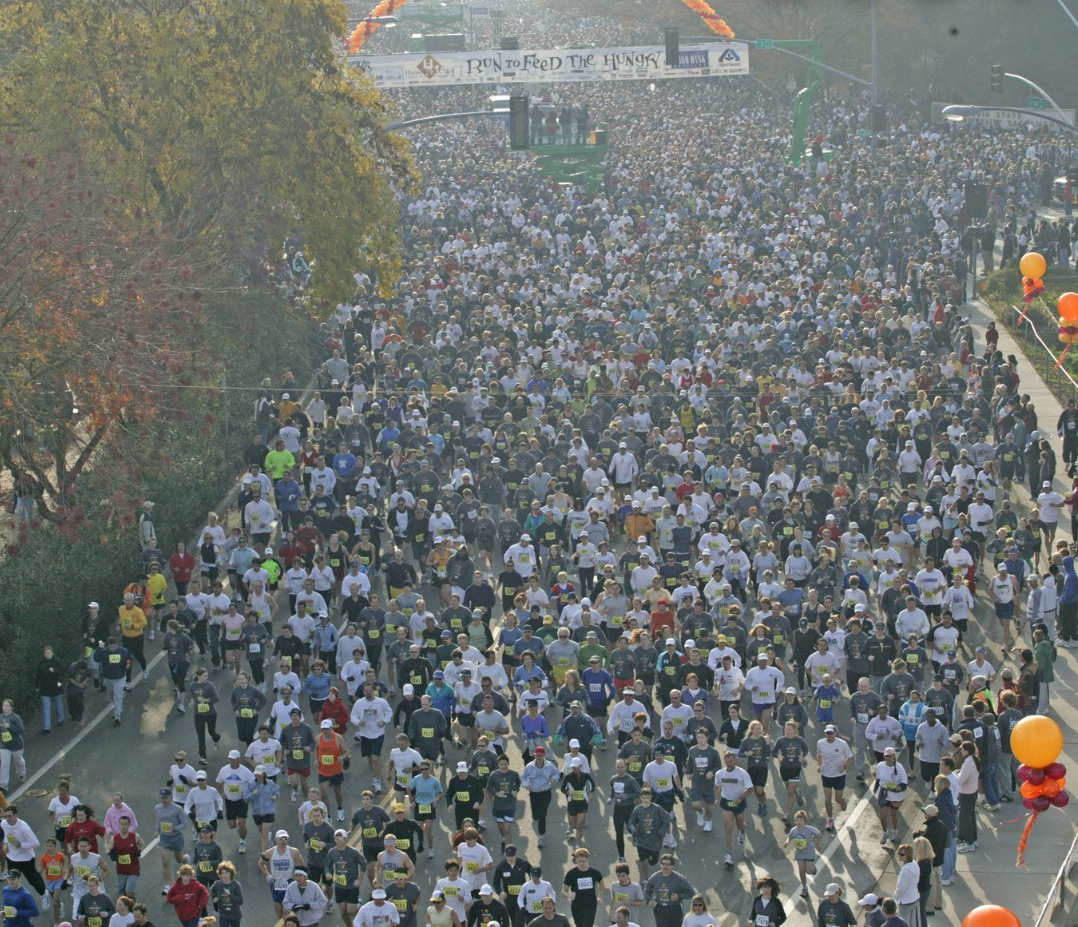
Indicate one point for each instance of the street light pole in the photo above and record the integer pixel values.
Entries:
(1042, 92)
(875, 80)
(1070, 15)
(959, 111)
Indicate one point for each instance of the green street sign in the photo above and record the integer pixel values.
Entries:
(864, 133)
(1036, 103)
(765, 43)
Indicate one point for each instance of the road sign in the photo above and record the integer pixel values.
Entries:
(1036, 102)
(864, 133)
(765, 43)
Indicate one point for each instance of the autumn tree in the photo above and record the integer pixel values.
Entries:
(240, 121)
(100, 309)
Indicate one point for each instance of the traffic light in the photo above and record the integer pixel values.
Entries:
(997, 78)
(976, 195)
(518, 122)
(672, 38)
(510, 43)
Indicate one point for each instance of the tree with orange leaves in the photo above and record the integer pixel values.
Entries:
(100, 311)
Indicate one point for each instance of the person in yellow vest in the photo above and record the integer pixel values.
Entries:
(132, 629)
(156, 586)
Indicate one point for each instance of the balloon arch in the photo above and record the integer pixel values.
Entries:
(366, 28)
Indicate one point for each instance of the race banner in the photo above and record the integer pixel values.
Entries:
(553, 65)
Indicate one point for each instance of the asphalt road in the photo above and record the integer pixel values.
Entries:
(134, 759)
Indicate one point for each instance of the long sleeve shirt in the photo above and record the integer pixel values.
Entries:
(540, 778)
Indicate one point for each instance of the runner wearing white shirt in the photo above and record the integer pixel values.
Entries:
(370, 716)
(833, 756)
(763, 682)
(1050, 503)
(522, 556)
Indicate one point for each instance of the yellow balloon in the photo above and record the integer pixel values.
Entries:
(1036, 741)
(1032, 265)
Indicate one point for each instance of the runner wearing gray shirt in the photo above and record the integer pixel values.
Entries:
(665, 892)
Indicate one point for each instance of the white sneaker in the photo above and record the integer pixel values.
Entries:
(707, 827)
(699, 818)
(340, 814)
(243, 846)
(729, 861)
(295, 795)
(883, 838)
(46, 901)
(740, 839)
(152, 634)
(145, 675)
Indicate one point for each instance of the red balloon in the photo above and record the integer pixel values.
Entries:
(1062, 800)
(1028, 803)
(1055, 770)
(1036, 776)
(1041, 803)
(991, 915)
(1022, 773)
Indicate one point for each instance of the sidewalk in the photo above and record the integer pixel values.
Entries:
(990, 874)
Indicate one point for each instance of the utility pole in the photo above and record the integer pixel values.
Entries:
(224, 399)
(875, 81)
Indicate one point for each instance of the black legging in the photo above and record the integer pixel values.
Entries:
(202, 723)
(178, 671)
(540, 803)
(967, 817)
(621, 818)
(583, 913)
(138, 651)
(26, 867)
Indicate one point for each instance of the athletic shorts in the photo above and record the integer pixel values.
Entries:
(651, 857)
(790, 773)
(345, 895)
(336, 779)
(1005, 610)
(734, 807)
(761, 707)
(235, 810)
(261, 819)
(758, 775)
(371, 746)
(465, 719)
(507, 817)
(838, 783)
(705, 794)
(231, 645)
(303, 772)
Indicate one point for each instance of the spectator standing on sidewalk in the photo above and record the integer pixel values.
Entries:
(49, 677)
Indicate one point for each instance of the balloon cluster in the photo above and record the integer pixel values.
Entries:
(1033, 266)
(1036, 741)
(1043, 788)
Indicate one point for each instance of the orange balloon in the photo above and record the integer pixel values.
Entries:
(1029, 790)
(991, 915)
(1050, 788)
(1037, 740)
(1068, 308)
(1033, 265)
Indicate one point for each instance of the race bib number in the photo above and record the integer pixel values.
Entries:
(369, 833)
(83, 871)
(327, 760)
(374, 634)
(205, 865)
(584, 884)
(114, 658)
(339, 878)
(298, 754)
(862, 717)
(425, 809)
(233, 790)
(800, 843)
(124, 859)
(825, 703)
(762, 920)
(54, 872)
(166, 827)
(427, 733)
(6, 737)
(247, 713)
(462, 797)
(471, 867)
(401, 904)
(579, 795)
(203, 708)
(316, 845)
(663, 784)
(254, 648)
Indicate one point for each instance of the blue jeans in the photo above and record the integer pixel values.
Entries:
(950, 858)
(990, 777)
(46, 711)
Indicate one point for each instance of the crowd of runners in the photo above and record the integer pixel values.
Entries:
(687, 502)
